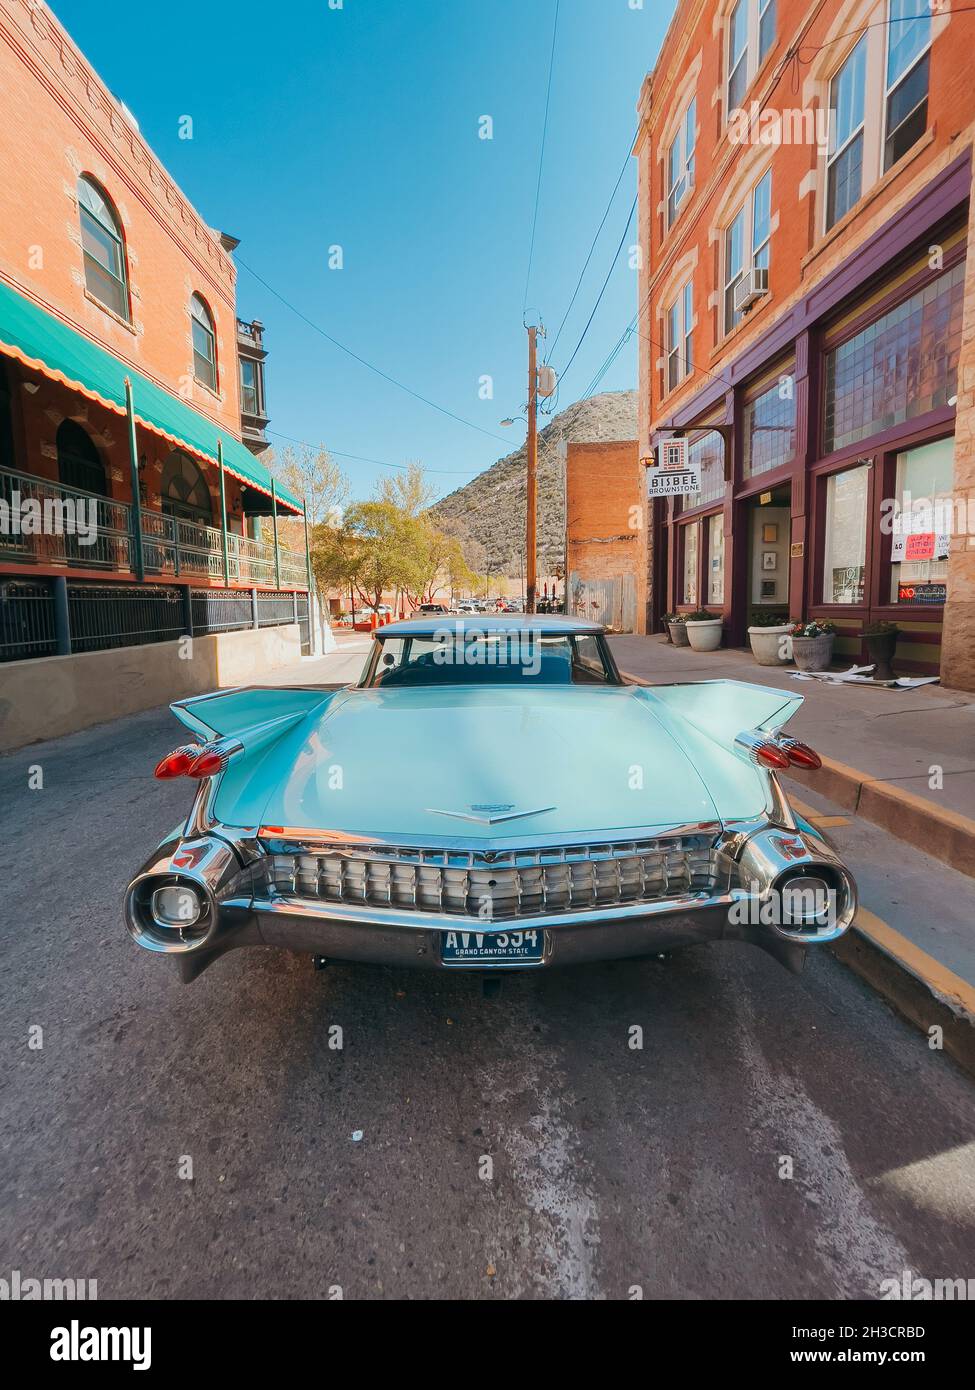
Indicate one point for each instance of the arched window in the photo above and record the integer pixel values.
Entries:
(204, 343)
(6, 422)
(184, 490)
(79, 462)
(104, 249)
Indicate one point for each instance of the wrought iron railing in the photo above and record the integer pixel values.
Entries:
(170, 546)
(96, 616)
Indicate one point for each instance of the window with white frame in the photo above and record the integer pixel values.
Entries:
(747, 245)
(680, 162)
(844, 166)
(680, 322)
(868, 137)
(751, 33)
(906, 83)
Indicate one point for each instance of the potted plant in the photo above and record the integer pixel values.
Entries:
(770, 640)
(677, 630)
(703, 630)
(881, 639)
(667, 619)
(812, 644)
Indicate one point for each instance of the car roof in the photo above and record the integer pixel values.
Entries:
(551, 623)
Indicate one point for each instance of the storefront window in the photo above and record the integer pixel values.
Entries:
(716, 559)
(922, 532)
(904, 364)
(689, 584)
(846, 536)
(769, 429)
(707, 451)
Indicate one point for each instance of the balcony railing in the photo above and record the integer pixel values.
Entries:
(170, 547)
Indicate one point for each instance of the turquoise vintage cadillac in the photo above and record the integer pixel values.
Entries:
(492, 794)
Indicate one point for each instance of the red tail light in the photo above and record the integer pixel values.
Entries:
(801, 755)
(771, 755)
(208, 764)
(177, 763)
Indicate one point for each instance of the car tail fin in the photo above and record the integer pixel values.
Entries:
(722, 709)
(251, 711)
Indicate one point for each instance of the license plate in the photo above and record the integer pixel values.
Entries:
(493, 948)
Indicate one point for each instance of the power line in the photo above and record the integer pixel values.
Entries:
(541, 157)
(612, 197)
(359, 458)
(602, 291)
(363, 362)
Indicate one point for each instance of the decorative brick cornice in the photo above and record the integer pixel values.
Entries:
(58, 64)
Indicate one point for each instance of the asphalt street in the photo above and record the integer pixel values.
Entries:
(774, 1137)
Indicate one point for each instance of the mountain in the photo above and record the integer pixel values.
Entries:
(491, 508)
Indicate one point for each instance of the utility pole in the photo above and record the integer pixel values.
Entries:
(532, 488)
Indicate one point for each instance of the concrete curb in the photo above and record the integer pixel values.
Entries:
(921, 989)
(945, 834)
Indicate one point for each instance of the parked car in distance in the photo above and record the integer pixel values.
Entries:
(490, 814)
(433, 608)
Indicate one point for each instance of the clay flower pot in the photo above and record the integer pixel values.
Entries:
(678, 634)
(704, 636)
(813, 653)
(880, 649)
(770, 645)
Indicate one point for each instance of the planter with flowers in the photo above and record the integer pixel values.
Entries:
(667, 619)
(812, 645)
(703, 630)
(677, 630)
(881, 639)
(770, 640)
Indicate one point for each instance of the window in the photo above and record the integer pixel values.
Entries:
(204, 343)
(902, 365)
(747, 245)
(846, 535)
(766, 27)
(738, 55)
(680, 162)
(103, 249)
(906, 103)
(689, 583)
(250, 387)
(920, 543)
(185, 493)
(680, 322)
(716, 558)
(488, 658)
(769, 429)
(706, 449)
(6, 423)
(80, 465)
(866, 138)
(751, 33)
(844, 177)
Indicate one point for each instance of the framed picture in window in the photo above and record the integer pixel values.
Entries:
(770, 560)
(770, 533)
(768, 588)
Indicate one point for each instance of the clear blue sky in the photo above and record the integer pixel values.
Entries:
(359, 127)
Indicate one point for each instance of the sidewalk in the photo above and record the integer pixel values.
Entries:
(879, 746)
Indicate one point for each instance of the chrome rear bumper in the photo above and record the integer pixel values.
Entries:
(239, 909)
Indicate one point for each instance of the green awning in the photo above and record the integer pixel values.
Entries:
(43, 342)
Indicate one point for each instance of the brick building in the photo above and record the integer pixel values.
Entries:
(808, 317)
(120, 382)
(605, 539)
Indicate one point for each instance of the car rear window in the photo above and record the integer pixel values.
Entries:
(488, 658)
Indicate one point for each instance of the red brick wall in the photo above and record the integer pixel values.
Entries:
(606, 517)
(59, 121)
(801, 253)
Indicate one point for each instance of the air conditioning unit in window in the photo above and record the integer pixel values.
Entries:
(752, 285)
